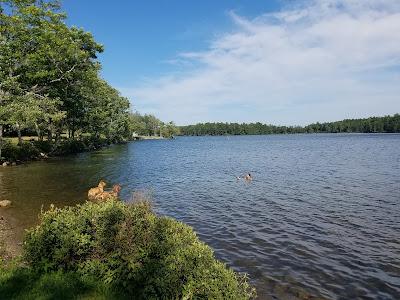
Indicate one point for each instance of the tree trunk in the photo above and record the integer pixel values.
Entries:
(1, 139)
(58, 135)
(38, 132)
(49, 132)
(19, 134)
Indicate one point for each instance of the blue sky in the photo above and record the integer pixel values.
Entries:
(142, 37)
(274, 61)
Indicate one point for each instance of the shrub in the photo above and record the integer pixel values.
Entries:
(93, 142)
(129, 248)
(25, 151)
(43, 146)
(69, 147)
(9, 151)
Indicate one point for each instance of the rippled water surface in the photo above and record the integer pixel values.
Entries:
(321, 217)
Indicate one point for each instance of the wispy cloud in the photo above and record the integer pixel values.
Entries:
(320, 60)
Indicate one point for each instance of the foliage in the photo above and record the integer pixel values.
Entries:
(49, 76)
(169, 130)
(129, 248)
(70, 146)
(43, 146)
(19, 282)
(23, 152)
(50, 82)
(151, 126)
(31, 150)
(389, 124)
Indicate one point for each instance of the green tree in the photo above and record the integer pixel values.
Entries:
(44, 59)
(169, 130)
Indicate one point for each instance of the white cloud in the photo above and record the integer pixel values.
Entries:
(322, 60)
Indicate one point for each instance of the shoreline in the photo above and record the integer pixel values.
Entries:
(71, 147)
(296, 133)
(149, 137)
(33, 150)
(10, 246)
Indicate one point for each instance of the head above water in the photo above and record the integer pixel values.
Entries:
(116, 188)
(102, 183)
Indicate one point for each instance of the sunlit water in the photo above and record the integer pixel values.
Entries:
(321, 217)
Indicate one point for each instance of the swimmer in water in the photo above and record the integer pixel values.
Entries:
(248, 177)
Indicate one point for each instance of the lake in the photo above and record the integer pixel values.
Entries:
(320, 219)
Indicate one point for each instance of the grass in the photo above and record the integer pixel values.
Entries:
(27, 138)
(14, 140)
(18, 282)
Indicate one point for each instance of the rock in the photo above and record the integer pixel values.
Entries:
(5, 164)
(5, 203)
(14, 163)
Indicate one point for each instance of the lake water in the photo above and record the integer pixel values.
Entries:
(320, 219)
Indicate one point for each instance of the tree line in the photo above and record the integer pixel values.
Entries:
(388, 124)
(50, 83)
(149, 125)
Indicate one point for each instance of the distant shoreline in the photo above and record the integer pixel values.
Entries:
(297, 133)
(386, 124)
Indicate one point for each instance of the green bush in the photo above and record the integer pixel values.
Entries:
(93, 142)
(128, 248)
(69, 147)
(25, 151)
(44, 146)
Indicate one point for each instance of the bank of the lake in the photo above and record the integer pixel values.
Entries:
(320, 218)
(31, 149)
(117, 251)
(10, 247)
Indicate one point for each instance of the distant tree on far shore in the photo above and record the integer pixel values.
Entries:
(386, 124)
(149, 125)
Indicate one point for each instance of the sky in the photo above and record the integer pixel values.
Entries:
(273, 61)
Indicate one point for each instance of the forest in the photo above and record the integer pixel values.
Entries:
(386, 124)
(50, 83)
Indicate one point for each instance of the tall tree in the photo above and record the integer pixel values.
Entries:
(44, 63)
